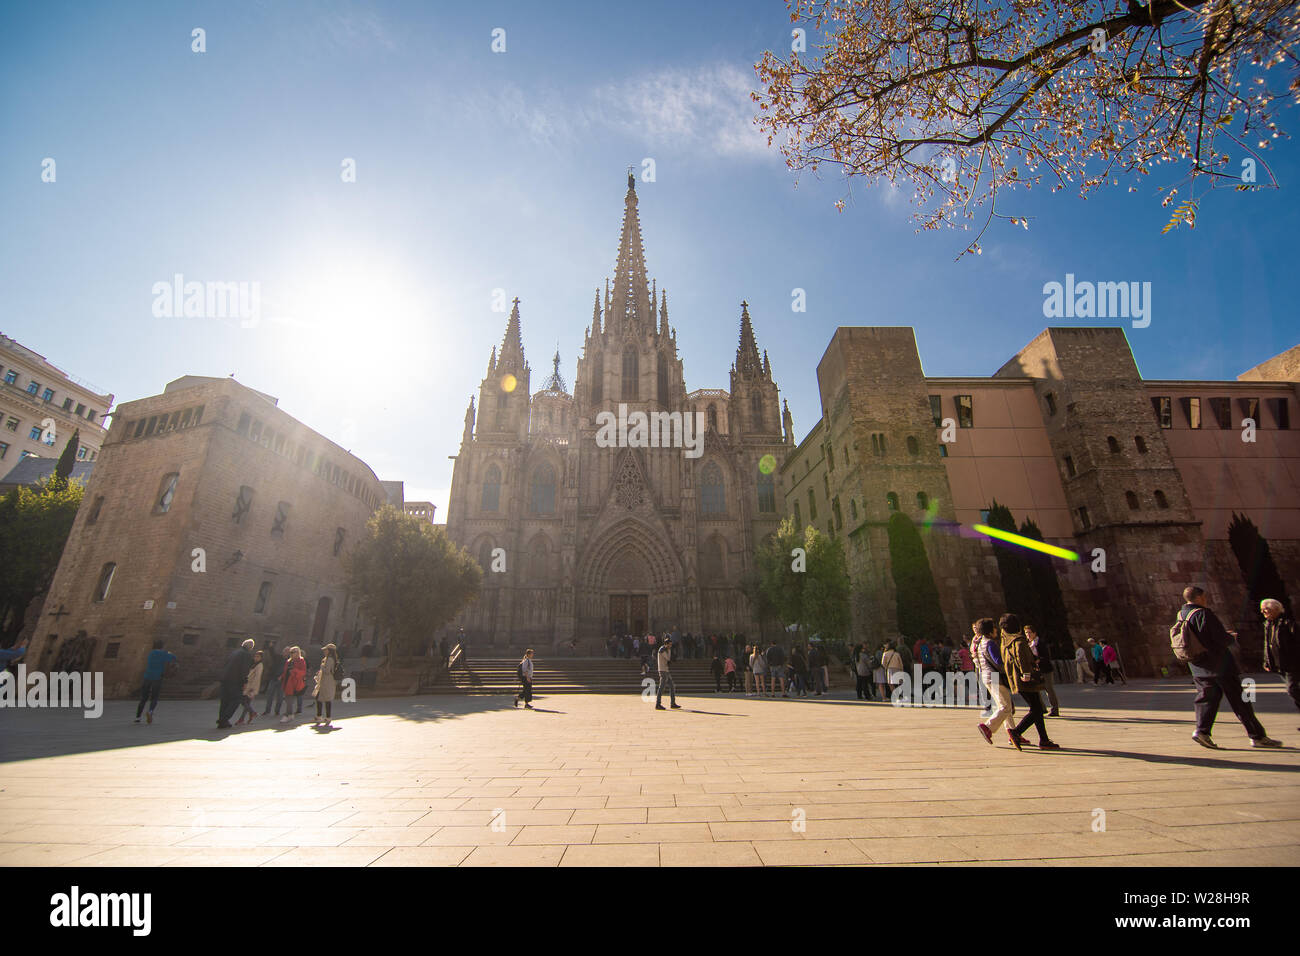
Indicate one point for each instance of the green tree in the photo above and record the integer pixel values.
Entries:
(63, 470)
(1257, 567)
(919, 613)
(34, 526)
(1048, 613)
(1013, 565)
(809, 589)
(409, 577)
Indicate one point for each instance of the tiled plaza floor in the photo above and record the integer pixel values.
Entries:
(607, 780)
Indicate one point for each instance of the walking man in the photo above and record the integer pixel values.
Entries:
(1099, 668)
(776, 668)
(151, 684)
(274, 688)
(525, 673)
(1080, 663)
(665, 657)
(1216, 675)
(1281, 646)
(1045, 668)
(233, 675)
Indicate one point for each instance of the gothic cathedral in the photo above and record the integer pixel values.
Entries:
(580, 541)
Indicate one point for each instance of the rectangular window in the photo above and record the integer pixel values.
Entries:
(189, 639)
(798, 517)
(281, 519)
(255, 433)
(95, 509)
(812, 505)
(105, 581)
(139, 428)
(47, 395)
(90, 415)
(1069, 466)
(936, 410)
(1281, 412)
(965, 411)
(830, 457)
(33, 387)
(148, 428)
(1249, 409)
(943, 450)
(339, 534)
(4, 449)
(1050, 399)
(198, 414)
(263, 595)
(167, 493)
(1164, 407)
(1084, 520)
(12, 424)
(67, 404)
(1221, 409)
(1192, 411)
(81, 453)
(81, 409)
(35, 433)
(243, 501)
(185, 419)
(111, 649)
(11, 377)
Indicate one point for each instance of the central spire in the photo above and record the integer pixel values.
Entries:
(631, 309)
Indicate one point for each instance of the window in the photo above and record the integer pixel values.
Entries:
(81, 453)
(4, 449)
(835, 510)
(853, 509)
(713, 416)
(798, 517)
(1069, 467)
(80, 408)
(965, 411)
(189, 639)
(244, 421)
(339, 534)
(1164, 407)
(243, 501)
(713, 493)
(35, 433)
(105, 582)
(812, 505)
(936, 410)
(984, 516)
(263, 595)
(1141, 443)
(11, 377)
(943, 450)
(878, 444)
(631, 374)
(1132, 500)
(845, 450)
(891, 501)
(1192, 411)
(1113, 444)
(47, 395)
(922, 501)
(829, 453)
(1221, 409)
(1161, 501)
(90, 415)
(33, 387)
(12, 424)
(1281, 412)
(826, 487)
(491, 489)
(280, 520)
(598, 378)
(1082, 512)
(1050, 399)
(1249, 409)
(766, 494)
(663, 381)
(111, 649)
(913, 448)
(543, 490)
(756, 410)
(95, 509)
(67, 404)
(166, 493)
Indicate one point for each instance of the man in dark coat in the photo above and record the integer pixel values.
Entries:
(1216, 676)
(1281, 646)
(233, 675)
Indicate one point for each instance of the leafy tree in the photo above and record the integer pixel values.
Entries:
(1013, 565)
(919, 613)
(34, 526)
(1049, 613)
(63, 470)
(410, 578)
(816, 598)
(960, 99)
(1257, 567)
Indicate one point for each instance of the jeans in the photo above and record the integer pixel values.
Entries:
(274, 696)
(731, 681)
(1050, 689)
(525, 692)
(864, 687)
(329, 705)
(148, 690)
(1100, 670)
(1000, 701)
(1034, 699)
(1212, 687)
(666, 680)
(819, 679)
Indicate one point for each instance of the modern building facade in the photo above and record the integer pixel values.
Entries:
(211, 516)
(41, 406)
(1145, 475)
(580, 538)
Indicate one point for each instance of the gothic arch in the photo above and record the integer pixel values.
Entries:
(635, 540)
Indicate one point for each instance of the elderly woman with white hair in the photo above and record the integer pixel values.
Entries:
(1281, 645)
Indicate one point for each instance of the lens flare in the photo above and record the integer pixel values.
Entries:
(767, 464)
(1024, 542)
(508, 382)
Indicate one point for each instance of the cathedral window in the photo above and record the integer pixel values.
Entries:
(713, 494)
(663, 381)
(713, 416)
(597, 378)
(631, 374)
(913, 448)
(756, 407)
(1161, 501)
(812, 505)
(166, 493)
(766, 493)
(538, 558)
(1112, 444)
(491, 489)
(543, 490)
(1132, 500)
(105, 581)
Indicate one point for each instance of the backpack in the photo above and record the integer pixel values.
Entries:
(338, 670)
(519, 671)
(1187, 647)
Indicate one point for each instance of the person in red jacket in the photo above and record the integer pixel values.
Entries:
(294, 678)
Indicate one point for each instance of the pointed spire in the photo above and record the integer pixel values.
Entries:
(788, 421)
(663, 313)
(492, 362)
(469, 421)
(631, 286)
(767, 366)
(748, 364)
(555, 382)
(595, 314)
(512, 346)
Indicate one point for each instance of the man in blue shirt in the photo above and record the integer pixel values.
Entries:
(153, 678)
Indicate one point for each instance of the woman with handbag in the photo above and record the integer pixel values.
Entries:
(1023, 677)
(327, 681)
(293, 679)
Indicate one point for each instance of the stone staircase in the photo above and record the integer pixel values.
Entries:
(569, 675)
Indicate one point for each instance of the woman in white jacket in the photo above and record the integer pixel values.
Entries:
(252, 687)
(326, 684)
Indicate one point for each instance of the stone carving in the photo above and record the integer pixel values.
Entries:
(629, 487)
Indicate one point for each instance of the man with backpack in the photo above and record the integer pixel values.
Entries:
(1200, 640)
(525, 674)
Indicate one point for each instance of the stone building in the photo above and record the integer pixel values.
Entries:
(41, 406)
(1145, 474)
(211, 516)
(589, 540)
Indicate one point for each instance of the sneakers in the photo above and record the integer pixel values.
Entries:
(149, 717)
(1265, 742)
(516, 703)
(137, 720)
(528, 706)
(660, 707)
(284, 720)
(1015, 739)
(679, 707)
(1048, 745)
(1205, 741)
(987, 734)
(1053, 713)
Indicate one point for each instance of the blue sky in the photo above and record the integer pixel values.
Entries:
(479, 170)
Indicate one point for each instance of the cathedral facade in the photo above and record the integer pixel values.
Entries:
(581, 538)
